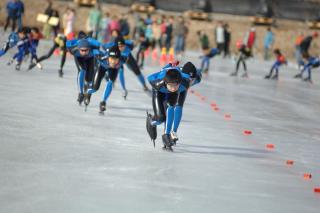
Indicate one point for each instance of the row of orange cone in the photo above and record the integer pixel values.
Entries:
(246, 132)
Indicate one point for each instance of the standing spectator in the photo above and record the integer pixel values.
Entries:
(250, 38)
(156, 30)
(219, 36)
(204, 40)
(104, 34)
(56, 28)
(180, 32)
(68, 20)
(163, 28)
(12, 11)
(169, 29)
(20, 13)
(94, 19)
(124, 26)
(268, 42)
(47, 28)
(227, 37)
(114, 25)
(298, 55)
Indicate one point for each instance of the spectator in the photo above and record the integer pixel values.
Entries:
(46, 27)
(20, 13)
(93, 21)
(250, 38)
(204, 40)
(268, 42)
(104, 34)
(156, 30)
(219, 37)
(68, 21)
(114, 25)
(124, 26)
(298, 54)
(180, 32)
(169, 29)
(227, 37)
(12, 11)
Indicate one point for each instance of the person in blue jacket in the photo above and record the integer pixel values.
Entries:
(23, 46)
(20, 12)
(13, 12)
(12, 41)
(109, 65)
(208, 54)
(84, 51)
(126, 46)
(166, 88)
(311, 62)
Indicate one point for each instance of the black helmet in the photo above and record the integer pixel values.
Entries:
(119, 40)
(82, 35)
(190, 69)
(83, 43)
(114, 52)
(173, 76)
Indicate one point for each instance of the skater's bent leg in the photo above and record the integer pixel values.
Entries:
(177, 117)
(169, 120)
(81, 76)
(158, 108)
(121, 77)
(107, 90)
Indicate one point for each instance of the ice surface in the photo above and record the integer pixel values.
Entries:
(54, 157)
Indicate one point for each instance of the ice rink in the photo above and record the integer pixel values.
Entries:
(55, 157)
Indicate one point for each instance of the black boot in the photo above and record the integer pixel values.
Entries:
(32, 65)
(166, 140)
(87, 98)
(307, 80)
(234, 74)
(18, 67)
(102, 106)
(299, 75)
(60, 73)
(80, 98)
(267, 76)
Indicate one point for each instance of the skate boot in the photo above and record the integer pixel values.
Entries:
(145, 88)
(275, 77)
(267, 76)
(151, 129)
(31, 66)
(244, 75)
(60, 73)
(298, 75)
(102, 107)
(87, 98)
(125, 94)
(80, 98)
(174, 137)
(10, 62)
(307, 80)
(18, 67)
(234, 74)
(167, 143)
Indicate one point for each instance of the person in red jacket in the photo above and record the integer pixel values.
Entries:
(280, 61)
